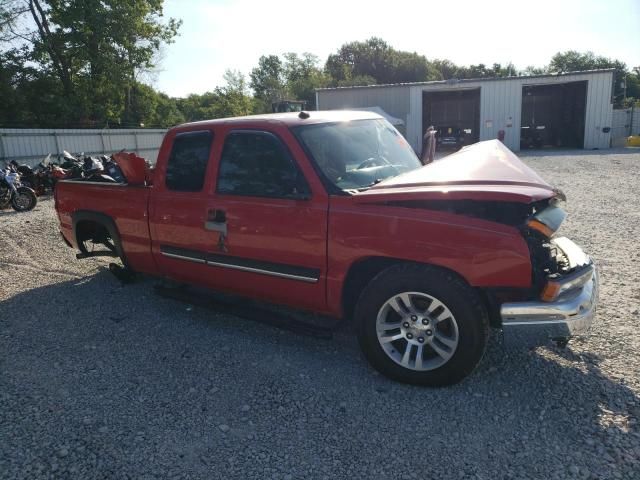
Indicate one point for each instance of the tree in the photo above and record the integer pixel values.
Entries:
(10, 11)
(302, 76)
(268, 81)
(357, 81)
(94, 49)
(573, 61)
(13, 75)
(291, 77)
(483, 71)
(374, 58)
(231, 100)
(533, 70)
(167, 112)
(633, 87)
(446, 68)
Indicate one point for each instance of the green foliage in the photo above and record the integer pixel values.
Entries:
(302, 76)
(374, 58)
(533, 70)
(573, 61)
(88, 54)
(447, 69)
(291, 77)
(268, 80)
(357, 81)
(80, 63)
(231, 100)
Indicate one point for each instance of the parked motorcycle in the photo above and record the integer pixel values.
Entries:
(67, 167)
(13, 193)
(38, 178)
(72, 164)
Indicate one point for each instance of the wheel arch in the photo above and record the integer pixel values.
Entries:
(81, 220)
(363, 271)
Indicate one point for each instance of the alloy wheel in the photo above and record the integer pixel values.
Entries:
(417, 331)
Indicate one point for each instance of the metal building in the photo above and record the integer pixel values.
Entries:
(571, 110)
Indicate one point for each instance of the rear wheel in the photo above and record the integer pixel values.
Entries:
(421, 325)
(24, 200)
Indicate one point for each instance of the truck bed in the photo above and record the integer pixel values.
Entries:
(125, 205)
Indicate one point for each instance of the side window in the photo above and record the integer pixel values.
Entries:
(257, 164)
(188, 161)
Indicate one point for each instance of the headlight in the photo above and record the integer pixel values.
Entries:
(547, 221)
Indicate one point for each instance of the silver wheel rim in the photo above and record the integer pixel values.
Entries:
(23, 201)
(417, 331)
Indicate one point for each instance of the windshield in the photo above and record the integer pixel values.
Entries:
(357, 154)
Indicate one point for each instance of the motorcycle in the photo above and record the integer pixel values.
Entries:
(38, 178)
(72, 165)
(67, 167)
(13, 193)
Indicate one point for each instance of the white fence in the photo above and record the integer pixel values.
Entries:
(31, 145)
(624, 122)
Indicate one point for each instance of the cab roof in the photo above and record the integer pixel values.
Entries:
(290, 119)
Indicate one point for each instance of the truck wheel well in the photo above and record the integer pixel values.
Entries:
(96, 232)
(99, 228)
(363, 271)
(87, 229)
(359, 275)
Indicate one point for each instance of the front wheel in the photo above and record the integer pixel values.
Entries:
(24, 199)
(421, 325)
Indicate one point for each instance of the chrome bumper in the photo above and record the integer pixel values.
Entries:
(571, 314)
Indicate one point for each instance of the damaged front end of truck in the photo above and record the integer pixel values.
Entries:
(487, 181)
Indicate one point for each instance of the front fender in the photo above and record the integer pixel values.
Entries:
(484, 253)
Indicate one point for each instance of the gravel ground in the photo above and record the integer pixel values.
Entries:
(98, 380)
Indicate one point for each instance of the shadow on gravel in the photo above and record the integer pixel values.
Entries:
(8, 212)
(121, 382)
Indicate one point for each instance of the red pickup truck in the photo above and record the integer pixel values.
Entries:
(332, 212)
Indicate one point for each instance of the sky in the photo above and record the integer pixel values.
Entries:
(217, 35)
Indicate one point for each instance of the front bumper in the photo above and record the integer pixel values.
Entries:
(535, 322)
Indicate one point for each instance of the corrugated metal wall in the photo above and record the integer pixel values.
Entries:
(621, 124)
(393, 100)
(30, 146)
(500, 104)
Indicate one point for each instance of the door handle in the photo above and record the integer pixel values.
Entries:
(216, 221)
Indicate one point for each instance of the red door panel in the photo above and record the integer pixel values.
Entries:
(274, 250)
(176, 221)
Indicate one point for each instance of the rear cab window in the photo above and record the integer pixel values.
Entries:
(187, 164)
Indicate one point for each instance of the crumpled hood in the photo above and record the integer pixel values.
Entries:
(483, 171)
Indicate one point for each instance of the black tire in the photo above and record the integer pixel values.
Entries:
(462, 301)
(24, 200)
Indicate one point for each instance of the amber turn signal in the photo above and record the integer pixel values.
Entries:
(550, 291)
(540, 227)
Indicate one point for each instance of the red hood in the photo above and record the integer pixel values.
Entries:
(483, 171)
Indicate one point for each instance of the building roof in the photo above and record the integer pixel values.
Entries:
(469, 80)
